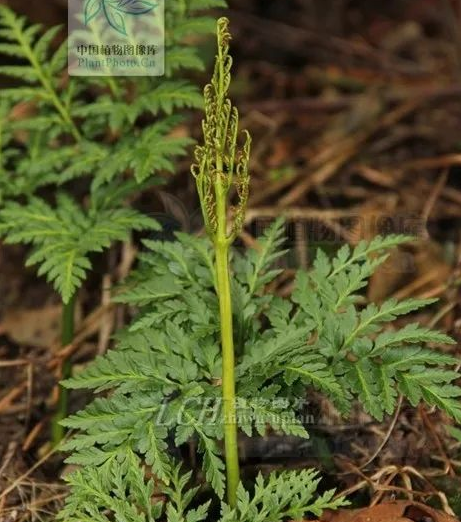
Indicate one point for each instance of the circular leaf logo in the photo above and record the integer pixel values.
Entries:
(116, 11)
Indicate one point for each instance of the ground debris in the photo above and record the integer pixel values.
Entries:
(399, 511)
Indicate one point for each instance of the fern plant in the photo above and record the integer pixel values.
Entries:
(90, 128)
(211, 353)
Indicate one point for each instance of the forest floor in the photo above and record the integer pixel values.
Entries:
(355, 112)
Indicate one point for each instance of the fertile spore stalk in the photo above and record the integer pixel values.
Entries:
(220, 166)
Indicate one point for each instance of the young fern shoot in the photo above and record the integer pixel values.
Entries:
(220, 166)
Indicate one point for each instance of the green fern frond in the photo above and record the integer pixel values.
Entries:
(24, 42)
(434, 386)
(168, 96)
(410, 371)
(156, 289)
(108, 410)
(198, 25)
(180, 497)
(83, 159)
(179, 57)
(270, 354)
(207, 435)
(363, 380)
(372, 317)
(317, 372)
(268, 410)
(260, 261)
(280, 314)
(404, 358)
(151, 443)
(150, 152)
(129, 372)
(64, 236)
(118, 489)
(345, 258)
(337, 281)
(281, 496)
(410, 334)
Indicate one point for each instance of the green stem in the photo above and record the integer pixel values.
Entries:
(67, 336)
(227, 343)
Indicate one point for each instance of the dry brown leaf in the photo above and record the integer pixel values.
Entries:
(282, 151)
(37, 327)
(399, 511)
